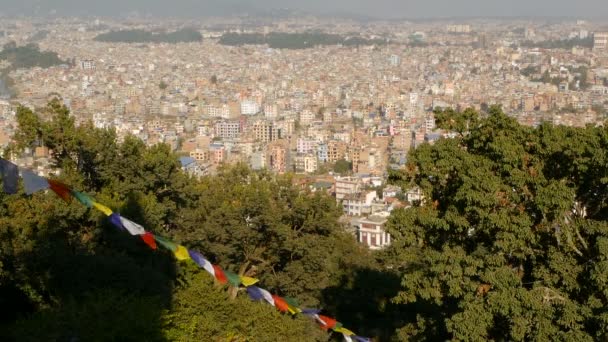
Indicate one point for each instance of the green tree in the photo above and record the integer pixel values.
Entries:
(343, 167)
(510, 242)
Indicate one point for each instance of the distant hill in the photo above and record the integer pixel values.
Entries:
(186, 35)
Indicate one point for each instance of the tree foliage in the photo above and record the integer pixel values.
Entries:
(510, 242)
(65, 269)
(185, 35)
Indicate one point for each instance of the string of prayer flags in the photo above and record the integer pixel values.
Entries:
(107, 211)
(33, 183)
(10, 176)
(60, 189)
(148, 238)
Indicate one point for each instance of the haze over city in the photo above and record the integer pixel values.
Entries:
(367, 8)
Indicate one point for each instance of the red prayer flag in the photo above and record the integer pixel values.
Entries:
(60, 189)
(149, 240)
(219, 274)
(280, 303)
(329, 322)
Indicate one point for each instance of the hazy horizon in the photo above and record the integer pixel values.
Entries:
(377, 9)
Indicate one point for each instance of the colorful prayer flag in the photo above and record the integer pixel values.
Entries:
(115, 220)
(132, 227)
(219, 274)
(83, 198)
(327, 322)
(267, 296)
(33, 183)
(168, 244)
(248, 281)
(343, 331)
(254, 293)
(202, 262)
(292, 305)
(311, 311)
(10, 176)
(60, 189)
(107, 211)
(181, 253)
(233, 278)
(280, 303)
(149, 240)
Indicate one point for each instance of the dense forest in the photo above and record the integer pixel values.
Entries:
(560, 43)
(28, 56)
(511, 243)
(185, 35)
(278, 40)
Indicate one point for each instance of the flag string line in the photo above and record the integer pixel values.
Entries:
(33, 183)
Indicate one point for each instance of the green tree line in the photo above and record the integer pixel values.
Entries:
(185, 35)
(280, 40)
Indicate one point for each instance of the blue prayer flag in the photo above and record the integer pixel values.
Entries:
(255, 293)
(33, 183)
(115, 219)
(10, 176)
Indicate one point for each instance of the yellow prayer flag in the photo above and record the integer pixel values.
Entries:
(344, 331)
(248, 281)
(102, 208)
(181, 253)
(293, 310)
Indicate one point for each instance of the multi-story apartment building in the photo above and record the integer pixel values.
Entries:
(227, 129)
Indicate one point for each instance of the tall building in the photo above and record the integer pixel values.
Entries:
(228, 130)
(263, 131)
(600, 41)
(395, 60)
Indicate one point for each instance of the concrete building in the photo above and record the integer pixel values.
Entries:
(227, 129)
(600, 41)
(249, 107)
(370, 232)
(346, 186)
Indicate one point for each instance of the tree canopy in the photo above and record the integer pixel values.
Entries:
(511, 240)
(185, 35)
(509, 243)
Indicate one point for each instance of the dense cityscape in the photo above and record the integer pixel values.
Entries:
(346, 108)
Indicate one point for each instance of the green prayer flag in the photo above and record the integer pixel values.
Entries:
(233, 278)
(166, 243)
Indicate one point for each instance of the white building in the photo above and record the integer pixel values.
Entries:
(249, 107)
(600, 40)
(370, 231)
